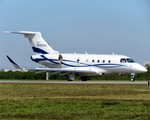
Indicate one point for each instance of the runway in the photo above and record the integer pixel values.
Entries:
(73, 82)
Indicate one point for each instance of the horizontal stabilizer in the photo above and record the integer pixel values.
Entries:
(38, 44)
(14, 64)
(21, 32)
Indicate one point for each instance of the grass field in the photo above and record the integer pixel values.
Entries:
(77, 101)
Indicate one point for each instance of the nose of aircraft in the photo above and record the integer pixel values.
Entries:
(137, 68)
(143, 69)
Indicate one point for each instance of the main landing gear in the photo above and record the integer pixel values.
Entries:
(84, 78)
(71, 77)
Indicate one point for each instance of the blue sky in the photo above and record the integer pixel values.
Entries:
(92, 26)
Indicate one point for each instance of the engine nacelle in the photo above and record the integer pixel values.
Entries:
(58, 58)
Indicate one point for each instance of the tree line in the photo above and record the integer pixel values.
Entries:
(42, 76)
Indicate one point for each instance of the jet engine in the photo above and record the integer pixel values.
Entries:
(57, 58)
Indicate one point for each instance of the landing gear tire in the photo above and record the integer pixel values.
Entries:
(84, 78)
(132, 79)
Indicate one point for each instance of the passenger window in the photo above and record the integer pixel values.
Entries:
(78, 60)
(86, 60)
(103, 61)
(98, 61)
(109, 61)
(92, 60)
(123, 60)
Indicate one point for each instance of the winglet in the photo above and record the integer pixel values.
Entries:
(13, 63)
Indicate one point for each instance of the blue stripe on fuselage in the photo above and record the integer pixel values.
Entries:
(109, 65)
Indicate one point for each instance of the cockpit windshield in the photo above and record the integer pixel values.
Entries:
(130, 60)
(124, 60)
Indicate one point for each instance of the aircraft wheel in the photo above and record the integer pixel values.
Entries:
(132, 79)
(84, 78)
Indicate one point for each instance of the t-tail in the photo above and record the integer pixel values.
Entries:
(39, 45)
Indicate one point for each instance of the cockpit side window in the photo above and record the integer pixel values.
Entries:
(130, 60)
(123, 60)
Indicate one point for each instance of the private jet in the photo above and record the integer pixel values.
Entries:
(72, 65)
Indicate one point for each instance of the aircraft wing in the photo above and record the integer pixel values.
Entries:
(13, 63)
(61, 71)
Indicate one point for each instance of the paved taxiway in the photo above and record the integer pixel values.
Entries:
(73, 82)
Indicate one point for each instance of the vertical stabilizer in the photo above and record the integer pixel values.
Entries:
(39, 45)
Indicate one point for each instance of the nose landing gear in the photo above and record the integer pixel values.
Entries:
(132, 77)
